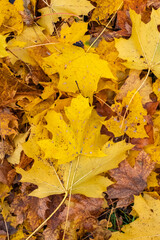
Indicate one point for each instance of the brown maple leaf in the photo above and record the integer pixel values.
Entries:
(5, 168)
(8, 123)
(130, 181)
(83, 213)
(29, 208)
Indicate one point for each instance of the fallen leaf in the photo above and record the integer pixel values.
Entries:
(137, 5)
(8, 123)
(8, 86)
(105, 8)
(114, 62)
(81, 175)
(64, 10)
(135, 50)
(79, 136)
(130, 181)
(147, 225)
(81, 208)
(18, 140)
(67, 60)
(29, 208)
(5, 167)
(3, 52)
(10, 19)
(152, 180)
(133, 82)
(5, 149)
(124, 23)
(134, 123)
(70, 34)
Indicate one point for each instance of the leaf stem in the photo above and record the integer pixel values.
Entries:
(42, 224)
(105, 27)
(134, 96)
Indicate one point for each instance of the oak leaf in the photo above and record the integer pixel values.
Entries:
(130, 181)
(141, 50)
(147, 225)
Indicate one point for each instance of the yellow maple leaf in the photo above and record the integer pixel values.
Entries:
(152, 180)
(79, 71)
(79, 136)
(3, 52)
(154, 152)
(133, 124)
(135, 118)
(71, 35)
(147, 225)
(18, 140)
(10, 19)
(142, 49)
(19, 5)
(156, 89)
(105, 8)
(104, 51)
(27, 38)
(59, 8)
(80, 176)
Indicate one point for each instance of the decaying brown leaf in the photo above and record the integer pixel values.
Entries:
(8, 123)
(137, 5)
(82, 216)
(5, 167)
(30, 209)
(130, 181)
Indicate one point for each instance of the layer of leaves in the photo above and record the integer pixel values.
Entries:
(73, 119)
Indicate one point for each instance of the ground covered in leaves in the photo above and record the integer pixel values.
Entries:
(79, 119)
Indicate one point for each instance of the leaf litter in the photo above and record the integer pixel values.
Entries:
(55, 84)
